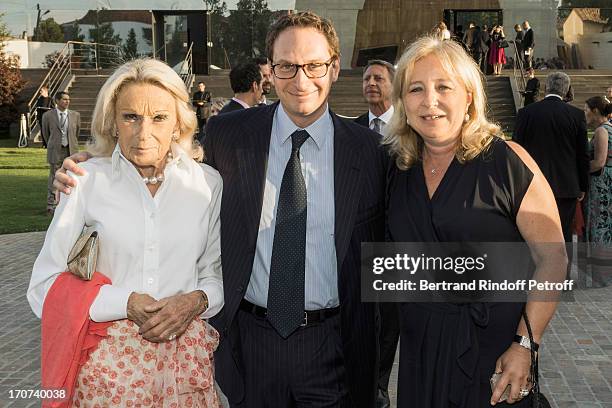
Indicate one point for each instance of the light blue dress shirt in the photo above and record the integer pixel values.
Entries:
(317, 160)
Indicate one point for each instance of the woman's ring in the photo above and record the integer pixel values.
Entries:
(173, 336)
(524, 392)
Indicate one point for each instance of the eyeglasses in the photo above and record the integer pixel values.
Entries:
(311, 70)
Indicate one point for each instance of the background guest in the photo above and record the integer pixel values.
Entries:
(377, 87)
(61, 128)
(532, 88)
(599, 205)
(43, 104)
(497, 54)
(246, 82)
(201, 102)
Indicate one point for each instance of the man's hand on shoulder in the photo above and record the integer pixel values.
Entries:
(62, 181)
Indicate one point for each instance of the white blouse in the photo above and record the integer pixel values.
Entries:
(161, 246)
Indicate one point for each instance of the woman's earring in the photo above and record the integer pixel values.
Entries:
(466, 119)
(174, 136)
(116, 134)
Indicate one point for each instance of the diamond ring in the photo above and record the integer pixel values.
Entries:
(524, 392)
(173, 336)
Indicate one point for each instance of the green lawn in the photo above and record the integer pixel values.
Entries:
(23, 183)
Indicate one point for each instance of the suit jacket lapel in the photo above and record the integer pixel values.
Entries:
(346, 185)
(252, 155)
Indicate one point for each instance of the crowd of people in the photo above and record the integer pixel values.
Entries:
(488, 46)
(245, 270)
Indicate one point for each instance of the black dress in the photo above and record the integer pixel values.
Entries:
(448, 351)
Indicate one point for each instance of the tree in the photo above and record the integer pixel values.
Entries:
(104, 33)
(130, 49)
(11, 84)
(51, 58)
(247, 27)
(4, 32)
(217, 9)
(49, 31)
(73, 33)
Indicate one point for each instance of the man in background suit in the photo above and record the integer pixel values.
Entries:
(201, 102)
(266, 79)
(555, 135)
(480, 47)
(377, 88)
(246, 82)
(528, 44)
(302, 189)
(532, 88)
(60, 128)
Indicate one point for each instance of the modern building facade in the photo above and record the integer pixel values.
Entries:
(224, 32)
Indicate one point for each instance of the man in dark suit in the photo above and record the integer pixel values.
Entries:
(266, 79)
(532, 88)
(201, 103)
(60, 128)
(528, 44)
(246, 83)
(302, 189)
(480, 48)
(555, 135)
(377, 88)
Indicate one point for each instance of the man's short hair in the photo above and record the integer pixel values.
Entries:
(382, 63)
(558, 83)
(59, 95)
(303, 19)
(243, 75)
(201, 83)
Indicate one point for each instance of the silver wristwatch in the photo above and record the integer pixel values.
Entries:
(525, 342)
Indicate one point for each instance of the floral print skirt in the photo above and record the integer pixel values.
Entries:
(129, 371)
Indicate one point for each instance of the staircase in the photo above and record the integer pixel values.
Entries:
(586, 83)
(83, 94)
(501, 108)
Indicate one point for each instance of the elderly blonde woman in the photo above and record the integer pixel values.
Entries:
(156, 211)
(455, 179)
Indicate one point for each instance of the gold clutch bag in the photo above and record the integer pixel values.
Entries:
(84, 254)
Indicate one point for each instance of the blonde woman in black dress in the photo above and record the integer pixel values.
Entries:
(455, 180)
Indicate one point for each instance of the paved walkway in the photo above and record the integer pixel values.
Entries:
(576, 361)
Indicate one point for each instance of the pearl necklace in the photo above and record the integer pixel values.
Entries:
(160, 176)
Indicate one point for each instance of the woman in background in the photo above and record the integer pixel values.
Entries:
(599, 206)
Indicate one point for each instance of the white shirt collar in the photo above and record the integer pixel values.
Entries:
(385, 117)
(179, 154)
(241, 102)
(318, 131)
(555, 95)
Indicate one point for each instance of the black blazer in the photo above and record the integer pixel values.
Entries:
(231, 106)
(555, 135)
(363, 120)
(237, 145)
(528, 40)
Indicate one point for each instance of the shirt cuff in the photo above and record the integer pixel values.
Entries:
(214, 293)
(111, 304)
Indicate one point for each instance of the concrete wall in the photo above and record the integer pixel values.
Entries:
(343, 13)
(31, 53)
(596, 50)
(542, 16)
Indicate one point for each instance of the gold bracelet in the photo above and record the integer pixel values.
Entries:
(204, 297)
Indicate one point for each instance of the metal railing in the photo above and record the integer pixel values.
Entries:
(75, 58)
(517, 70)
(186, 70)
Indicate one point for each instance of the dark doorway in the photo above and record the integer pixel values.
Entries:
(455, 18)
(174, 31)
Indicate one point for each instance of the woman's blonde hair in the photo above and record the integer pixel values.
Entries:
(476, 134)
(147, 71)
